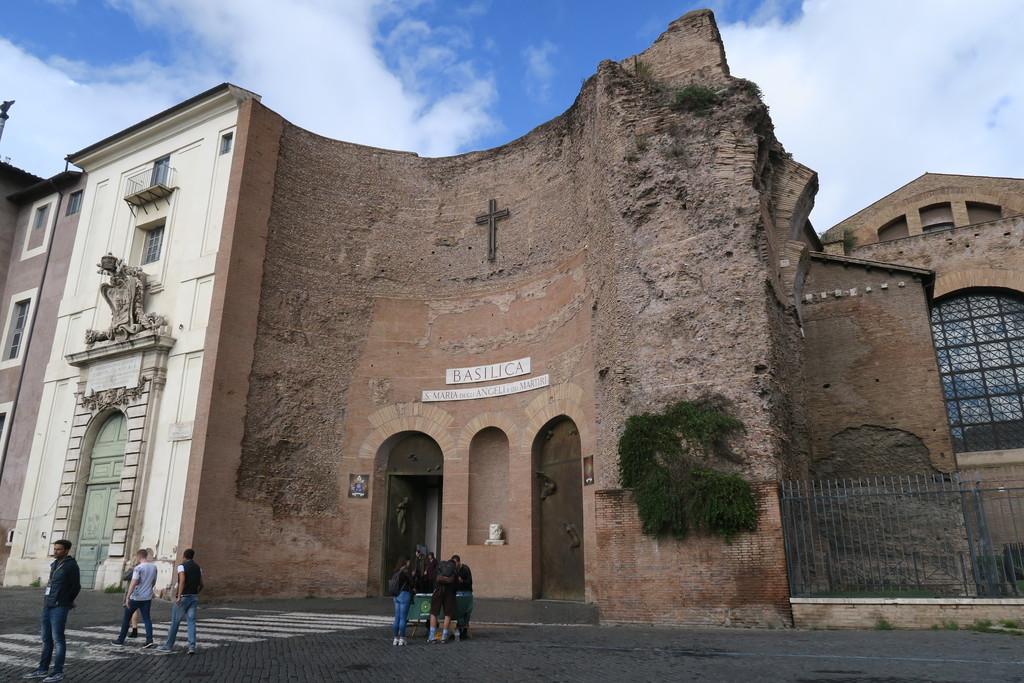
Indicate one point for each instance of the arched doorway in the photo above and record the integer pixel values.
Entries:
(100, 500)
(414, 488)
(558, 493)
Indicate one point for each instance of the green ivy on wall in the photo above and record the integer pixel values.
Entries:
(664, 458)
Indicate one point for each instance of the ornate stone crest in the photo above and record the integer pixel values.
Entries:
(125, 294)
(113, 398)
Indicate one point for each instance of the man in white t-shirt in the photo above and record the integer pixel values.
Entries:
(139, 597)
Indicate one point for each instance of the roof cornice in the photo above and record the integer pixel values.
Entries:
(213, 102)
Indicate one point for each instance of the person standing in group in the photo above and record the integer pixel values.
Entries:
(419, 570)
(442, 599)
(190, 582)
(463, 584)
(62, 589)
(430, 572)
(139, 597)
(401, 586)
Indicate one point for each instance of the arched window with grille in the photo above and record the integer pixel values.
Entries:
(979, 339)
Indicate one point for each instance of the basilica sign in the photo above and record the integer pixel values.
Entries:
(486, 373)
(486, 392)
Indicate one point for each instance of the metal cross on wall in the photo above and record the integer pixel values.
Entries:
(491, 219)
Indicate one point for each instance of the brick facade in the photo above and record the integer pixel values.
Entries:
(872, 384)
(910, 613)
(642, 242)
(698, 581)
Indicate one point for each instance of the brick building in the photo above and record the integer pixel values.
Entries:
(361, 350)
(38, 223)
(914, 334)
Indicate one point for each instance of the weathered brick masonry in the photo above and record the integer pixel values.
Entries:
(640, 265)
(872, 378)
(701, 580)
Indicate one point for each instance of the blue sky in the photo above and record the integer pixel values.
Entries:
(869, 94)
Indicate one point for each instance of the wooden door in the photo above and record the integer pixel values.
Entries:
(101, 497)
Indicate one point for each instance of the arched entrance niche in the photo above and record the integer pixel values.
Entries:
(102, 481)
(488, 483)
(558, 505)
(415, 478)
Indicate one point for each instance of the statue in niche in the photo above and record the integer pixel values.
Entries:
(401, 510)
(494, 533)
(125, 294)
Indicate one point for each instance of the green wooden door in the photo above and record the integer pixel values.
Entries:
(101, 497)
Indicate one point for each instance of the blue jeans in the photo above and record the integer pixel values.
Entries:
(187, 608)
(143, 607)
(51, 630)
(403, 601)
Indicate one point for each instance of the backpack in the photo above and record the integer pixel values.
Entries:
(446, 572)
(395, 584)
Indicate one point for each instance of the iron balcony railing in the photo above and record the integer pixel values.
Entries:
(149, 185)
(958, 534)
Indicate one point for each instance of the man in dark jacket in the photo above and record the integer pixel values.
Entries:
(62, 589)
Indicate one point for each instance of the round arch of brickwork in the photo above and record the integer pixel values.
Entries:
(563, 399)
(409, 417)
(483, 421)
(978, 277)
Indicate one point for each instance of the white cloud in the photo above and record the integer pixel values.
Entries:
(873, 94)
(319, 63)
(540, 71)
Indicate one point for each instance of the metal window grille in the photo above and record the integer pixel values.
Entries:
(979, 340)
(956, 534)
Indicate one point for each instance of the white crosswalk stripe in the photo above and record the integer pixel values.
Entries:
(94, 643)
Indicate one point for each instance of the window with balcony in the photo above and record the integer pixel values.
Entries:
(151, 184)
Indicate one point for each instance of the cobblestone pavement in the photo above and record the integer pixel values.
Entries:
(349, 640)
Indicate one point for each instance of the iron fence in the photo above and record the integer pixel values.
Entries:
(958, 534)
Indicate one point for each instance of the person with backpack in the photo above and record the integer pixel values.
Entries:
(401, 586)
(443, 598)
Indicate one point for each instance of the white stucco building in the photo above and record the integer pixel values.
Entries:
(108, 464)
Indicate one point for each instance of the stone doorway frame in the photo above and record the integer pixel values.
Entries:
(140, 404)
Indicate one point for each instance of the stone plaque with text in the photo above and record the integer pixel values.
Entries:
(111, 374)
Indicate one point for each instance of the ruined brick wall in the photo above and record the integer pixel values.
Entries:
(698, 581)
(871, 376)
(637, 267)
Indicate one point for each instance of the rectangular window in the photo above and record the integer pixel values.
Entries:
(225, 142)
(39, 220)
(161, 171)
(16, 334)
(74, 203)
(154, 243)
